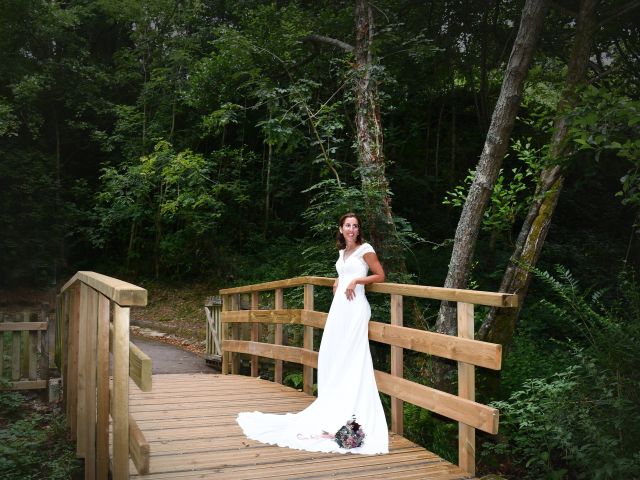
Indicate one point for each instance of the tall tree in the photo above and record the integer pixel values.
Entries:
(499, 325)
(493, 152)
(371, 159)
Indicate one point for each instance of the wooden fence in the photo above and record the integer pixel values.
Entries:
(92, 321)
(468, 352)
(24, 349)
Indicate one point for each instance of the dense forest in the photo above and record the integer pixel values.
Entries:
(492, 145)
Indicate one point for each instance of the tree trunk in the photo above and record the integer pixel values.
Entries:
(499, 326)
(371, 158)
(493, 152)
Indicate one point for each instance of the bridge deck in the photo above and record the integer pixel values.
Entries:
(189, 421)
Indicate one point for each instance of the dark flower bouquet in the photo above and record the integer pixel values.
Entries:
(350, 435)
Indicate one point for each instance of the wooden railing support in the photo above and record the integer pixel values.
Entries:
(88, 333)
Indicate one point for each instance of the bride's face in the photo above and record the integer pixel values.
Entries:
(350, 230)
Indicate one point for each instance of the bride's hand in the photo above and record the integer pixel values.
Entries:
(350, 292)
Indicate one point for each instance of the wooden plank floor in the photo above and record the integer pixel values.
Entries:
(189, 422)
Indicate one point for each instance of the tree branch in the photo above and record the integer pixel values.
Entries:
(331, 41)
(621, 11)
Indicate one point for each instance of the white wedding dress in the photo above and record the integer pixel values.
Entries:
(346, 383)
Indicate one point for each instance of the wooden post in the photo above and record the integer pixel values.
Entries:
(224, 335)
(279, 305)
(120, 406)
(307, 342)
(71, 382)
(83, 354)
(102, 416)
(467, 390)
(235, 335)
(89, 367)
(397, 367)
(255, 334)
(26, 347)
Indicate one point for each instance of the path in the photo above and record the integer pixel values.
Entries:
(169, 359)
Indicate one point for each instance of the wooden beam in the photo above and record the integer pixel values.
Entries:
(467, 390)
(255, 332)
(120, 396)
(138, 447)
(22, 326)
(279, 334)
(397, 367)
(102, 394)
(279, 352)
(26, 385)
(123, 293)
(421, 291)
(307, 342)
(140, 368)
(482, 354)
(451, 406)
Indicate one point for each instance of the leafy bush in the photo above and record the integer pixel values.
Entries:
(583, 422)
(33, 443)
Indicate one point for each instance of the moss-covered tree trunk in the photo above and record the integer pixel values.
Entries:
(371, 159)
(500, 324)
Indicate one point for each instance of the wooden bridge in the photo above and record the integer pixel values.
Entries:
(183, 426)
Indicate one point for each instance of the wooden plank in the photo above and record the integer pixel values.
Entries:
(121, 292)
(15, 356)
(33, 354)
(208, 443)
(120, 396)
(21, 326)
(82, 438)
(224, 335)
(138, 447)
(280, 352)
(421, 291)
(462, 410)
(26, 348)
(27, 385)
(91, 320)
(467, 390)
(397, 366)
(102, 393)
(235, 334)
(483, 354)
(307, 342)
(279, 334)
(140, 367)
(72, 366)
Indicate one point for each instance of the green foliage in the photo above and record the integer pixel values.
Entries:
(511, 194)
(584, 421)
(33, 443)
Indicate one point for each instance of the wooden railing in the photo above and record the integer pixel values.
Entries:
(24, 341)
(92, 320)
(468, 352)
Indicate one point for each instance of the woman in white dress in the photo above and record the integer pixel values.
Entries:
(346, 382)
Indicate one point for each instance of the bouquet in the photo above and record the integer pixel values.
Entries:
(350, 435)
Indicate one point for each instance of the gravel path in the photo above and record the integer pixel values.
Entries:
(169, 359)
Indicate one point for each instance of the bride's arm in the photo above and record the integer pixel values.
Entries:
(377, 274)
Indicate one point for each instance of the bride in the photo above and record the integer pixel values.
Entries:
(346, 383)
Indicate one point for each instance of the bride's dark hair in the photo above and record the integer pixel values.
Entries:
(341, 243)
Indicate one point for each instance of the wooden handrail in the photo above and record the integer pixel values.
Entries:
(477, 297)
(123, 293)
(92, 321)
(463, 348)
